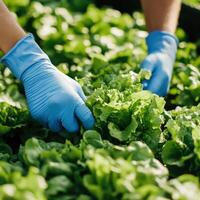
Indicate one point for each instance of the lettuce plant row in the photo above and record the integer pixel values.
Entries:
(142, 147)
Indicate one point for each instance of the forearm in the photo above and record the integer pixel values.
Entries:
(161, 15)
(10, 31)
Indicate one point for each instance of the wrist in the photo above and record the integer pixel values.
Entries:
(162, 41)
(11, 33)
(25, 54)
(10, 41)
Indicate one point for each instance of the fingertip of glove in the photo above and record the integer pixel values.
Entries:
(73, 130)
(85, 116)
(70, 124)
(89, 123)
(147, 65)
(145, 84)
(158, 91)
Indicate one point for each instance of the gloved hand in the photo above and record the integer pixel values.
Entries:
(54, 99)
(162, 47)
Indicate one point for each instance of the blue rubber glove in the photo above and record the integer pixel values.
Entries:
(162, 48)
(54, 99)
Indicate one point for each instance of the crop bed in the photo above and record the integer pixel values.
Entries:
(143, 147)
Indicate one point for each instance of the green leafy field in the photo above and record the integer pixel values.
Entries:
(143, 147)
(195, 3)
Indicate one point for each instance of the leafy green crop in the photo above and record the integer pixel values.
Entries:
(143, 147)
(182, 133)
(195, 3)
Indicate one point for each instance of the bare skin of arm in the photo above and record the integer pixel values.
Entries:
(10, 31)
(161, 15)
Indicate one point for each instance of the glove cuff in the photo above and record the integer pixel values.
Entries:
(162, 41)
(23, 55)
